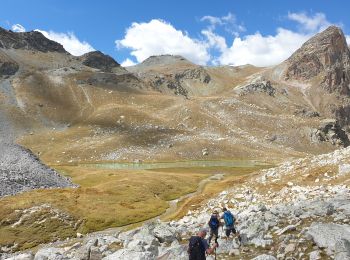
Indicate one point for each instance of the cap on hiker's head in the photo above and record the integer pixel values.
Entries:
(224, 209)
(215, 212)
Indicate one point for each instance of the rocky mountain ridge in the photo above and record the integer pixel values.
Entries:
(33, 40)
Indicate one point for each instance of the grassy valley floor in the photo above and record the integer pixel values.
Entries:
(106, 198)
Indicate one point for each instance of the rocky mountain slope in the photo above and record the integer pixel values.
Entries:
(168, 108)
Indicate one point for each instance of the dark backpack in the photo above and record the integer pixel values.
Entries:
(196, 249)
(214, 222)
(228, 218)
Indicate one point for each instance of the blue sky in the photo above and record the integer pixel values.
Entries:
(206, 32)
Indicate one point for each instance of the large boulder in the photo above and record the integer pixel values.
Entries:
(128, 254)
(326, 235)
(24, 256)
(342, 250)
(178, 252)
(50, 253)
(165, 233)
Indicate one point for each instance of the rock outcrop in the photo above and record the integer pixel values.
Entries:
(330, 131)
(327, 56)
(257, 87)
(33, 40)
(98, 60)
(8, 68)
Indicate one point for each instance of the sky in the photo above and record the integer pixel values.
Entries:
(206, 32)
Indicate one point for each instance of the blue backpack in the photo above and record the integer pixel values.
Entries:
(214, 222)
(228, 218)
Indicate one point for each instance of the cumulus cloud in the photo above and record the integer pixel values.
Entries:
(128, 62)
(18, 28)
(69, 41)
(159, 37)
(262, 50)
(266, 50)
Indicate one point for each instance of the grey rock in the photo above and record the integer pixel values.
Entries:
(286, 229)
(178, 252)
(24, 256)
(127, 254)
(8, 68)
(315, 255)
(330, 131)
(342, 250)
(50, 254)
(257, 87)
(326, 235)
(165, 233)
(264, 257)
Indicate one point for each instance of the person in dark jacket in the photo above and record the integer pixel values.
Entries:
(214, 224)
(198, 246)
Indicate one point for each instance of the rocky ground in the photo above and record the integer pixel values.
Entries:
(298, 210)
(21, 170)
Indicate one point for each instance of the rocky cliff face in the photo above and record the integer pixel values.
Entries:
(326, 56)
(28, 40)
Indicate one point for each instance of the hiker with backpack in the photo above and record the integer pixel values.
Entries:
(214, 224)
(198, 246)
(229, 220)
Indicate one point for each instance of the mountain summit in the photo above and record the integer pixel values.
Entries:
(33, 40)
(325, 56)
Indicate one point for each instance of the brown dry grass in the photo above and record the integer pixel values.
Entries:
(106, 198)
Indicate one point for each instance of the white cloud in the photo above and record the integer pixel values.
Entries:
(315, 23)
(159, 37)
(18, 28)
(69, 41)
(262, 50)
(347, 39)
(128, 62)
(229, 22)
(266, 50)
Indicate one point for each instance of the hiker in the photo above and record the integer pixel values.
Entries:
(214, 224)
(198, 246)
(229, 220)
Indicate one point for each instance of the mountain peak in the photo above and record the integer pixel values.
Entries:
(99, 60)
(327, 56)
(33, 40)
(165, 59)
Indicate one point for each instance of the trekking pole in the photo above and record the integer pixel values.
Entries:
(215, 253)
